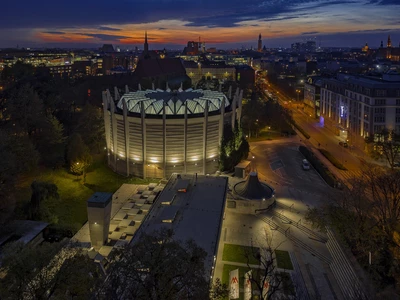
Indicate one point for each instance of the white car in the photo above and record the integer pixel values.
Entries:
(306, 164)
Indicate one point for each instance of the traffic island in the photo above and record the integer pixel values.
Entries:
(332, 159)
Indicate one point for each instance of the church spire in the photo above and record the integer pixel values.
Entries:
(146, 45)
(389, 42)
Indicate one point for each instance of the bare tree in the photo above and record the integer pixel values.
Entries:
(387, 144)
(266, 280)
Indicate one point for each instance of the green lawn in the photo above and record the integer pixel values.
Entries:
(71, 209)
(266, 135)
(283, 260)
(237, 253)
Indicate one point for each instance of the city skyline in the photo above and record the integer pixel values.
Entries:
(345, 23)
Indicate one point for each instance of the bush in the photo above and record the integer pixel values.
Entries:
(332, 159)
(306, 135)
(329, 178)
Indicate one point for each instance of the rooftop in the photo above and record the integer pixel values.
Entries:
(153, 101)
(100, 197)
(195, 214)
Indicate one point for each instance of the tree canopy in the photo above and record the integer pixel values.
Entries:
(158, 267)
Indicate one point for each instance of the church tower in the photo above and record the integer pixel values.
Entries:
(389, 48)
(259, 48)
(146, 45)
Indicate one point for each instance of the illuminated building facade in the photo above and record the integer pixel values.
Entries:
(155, 133)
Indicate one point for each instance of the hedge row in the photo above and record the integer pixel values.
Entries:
(293, 122)
(319, 166)
(306, 135)
(332, 159)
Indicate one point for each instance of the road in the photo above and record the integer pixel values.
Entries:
(322, 136)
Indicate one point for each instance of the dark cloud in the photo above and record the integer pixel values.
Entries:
(386, 2)
(54, 32)
(105, 37)
(162, 28)
(309, 33)
(108, 28)
(210, 13)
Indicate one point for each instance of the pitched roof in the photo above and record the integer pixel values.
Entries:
(159, 67)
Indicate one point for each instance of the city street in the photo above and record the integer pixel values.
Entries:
(322, 136)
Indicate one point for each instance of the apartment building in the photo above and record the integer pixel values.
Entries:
(362, 105)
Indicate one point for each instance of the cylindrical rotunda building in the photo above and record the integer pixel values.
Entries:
(155, 133)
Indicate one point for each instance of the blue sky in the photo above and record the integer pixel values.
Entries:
(224, 23)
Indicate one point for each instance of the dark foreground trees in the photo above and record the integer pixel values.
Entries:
(47, 271)
(158, 267)
(367, 216)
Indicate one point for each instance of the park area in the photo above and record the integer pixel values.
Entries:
(70, 209)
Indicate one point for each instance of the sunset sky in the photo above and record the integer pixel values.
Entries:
(221, 23)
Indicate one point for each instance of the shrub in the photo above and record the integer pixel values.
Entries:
(303, 132)
(332, 159)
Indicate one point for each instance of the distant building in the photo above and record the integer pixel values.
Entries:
(245, 76)
(208, 70)
(308, 46)
(192, 48)
(159, 72)
(390, 52)
(259, 46)
(312, 93)
(107, 48)
(362, 105)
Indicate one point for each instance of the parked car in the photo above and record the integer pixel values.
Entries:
(306, 164)
(344, 144)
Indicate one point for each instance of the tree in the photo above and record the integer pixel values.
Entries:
(47, 271)
(51, 142)
(265, 279)
(79, 278)
(44, 196)
(91, 127)
(17, 156)
(27, 277)
(371, 204)
(387, 144)
(78, 155)
(158, 267)
(234, 147)
(24, 110)
(219, 290)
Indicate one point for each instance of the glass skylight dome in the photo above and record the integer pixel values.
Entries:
(153, 101)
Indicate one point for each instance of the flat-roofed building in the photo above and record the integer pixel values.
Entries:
(196, 214)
